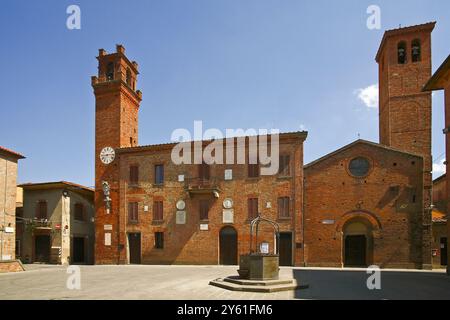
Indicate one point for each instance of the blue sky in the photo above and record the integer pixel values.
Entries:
(289, 65)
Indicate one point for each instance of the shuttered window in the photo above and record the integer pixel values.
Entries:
(204, 209)
(283, 207)
(253, 170)
(285, 165)
(133, 212)
(159, 174)
(158, 211)
(204, 171)
(79, 212)
(252, 208)
(41, 209)
(159, 240)
(134, 175)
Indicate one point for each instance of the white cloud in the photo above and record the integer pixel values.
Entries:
(368, 95)
(439, 168)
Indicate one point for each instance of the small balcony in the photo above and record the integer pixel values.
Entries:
(41, 224)
(202, 186)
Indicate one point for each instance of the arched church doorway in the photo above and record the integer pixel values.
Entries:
(357, 243)
(228, 243)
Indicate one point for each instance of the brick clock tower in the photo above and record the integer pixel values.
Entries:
(116, 126)
(404, 60)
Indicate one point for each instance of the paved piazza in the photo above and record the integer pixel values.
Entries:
(191, 282)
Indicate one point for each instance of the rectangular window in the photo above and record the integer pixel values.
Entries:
(134, 175)
(204, 209)
(285, 166)
(158, 211)
(133, 212)
(159, 174)
(41, 210)
(283, 207)
(159, 240)
(204, 171)
(79, 212)
(252, 208)
(253, 170)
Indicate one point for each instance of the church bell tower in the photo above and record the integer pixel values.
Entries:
(404, 62)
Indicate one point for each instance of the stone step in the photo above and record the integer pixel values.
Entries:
(246, 282)
(221, 283)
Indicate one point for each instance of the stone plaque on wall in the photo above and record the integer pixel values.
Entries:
(181, 217)
(9, 230)
(228, 174)
(107, 239)
(228, 215)
(204, 227)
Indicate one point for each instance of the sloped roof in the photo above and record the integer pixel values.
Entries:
(11, 153)
(439, 78)
(284, 135)
(359, 141)
(439, 178)
(438, 216)
(58, 184)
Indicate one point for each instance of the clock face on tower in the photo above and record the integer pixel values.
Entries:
(107, 155)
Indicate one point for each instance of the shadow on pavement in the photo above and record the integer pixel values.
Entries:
(352, 285)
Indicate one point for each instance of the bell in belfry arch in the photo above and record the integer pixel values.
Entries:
(401, 55)
(416, 52)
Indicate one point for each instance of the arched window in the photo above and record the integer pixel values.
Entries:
(110, 71)
(415, 51)
(128, 77)
(401, 52)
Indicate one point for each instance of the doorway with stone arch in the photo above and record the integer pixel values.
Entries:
(357, 243)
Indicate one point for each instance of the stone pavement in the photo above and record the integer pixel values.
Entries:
(191, 282)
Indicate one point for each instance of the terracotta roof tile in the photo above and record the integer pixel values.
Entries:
(13, 153)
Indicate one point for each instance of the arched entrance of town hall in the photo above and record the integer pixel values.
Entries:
(228, 251)
(357, 243)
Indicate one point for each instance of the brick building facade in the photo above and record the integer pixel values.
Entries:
(441, 81)
(360, 214)
(8, 187)
(373, 199)
(370, 203)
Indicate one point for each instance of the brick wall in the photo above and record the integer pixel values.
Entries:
(11, 266)
(116, 125)
(447, 148)
(405, 111)
(187, 244)
(440, 194)
(383, 200)
(8, 189)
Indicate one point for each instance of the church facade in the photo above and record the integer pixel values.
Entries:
(366, 203)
